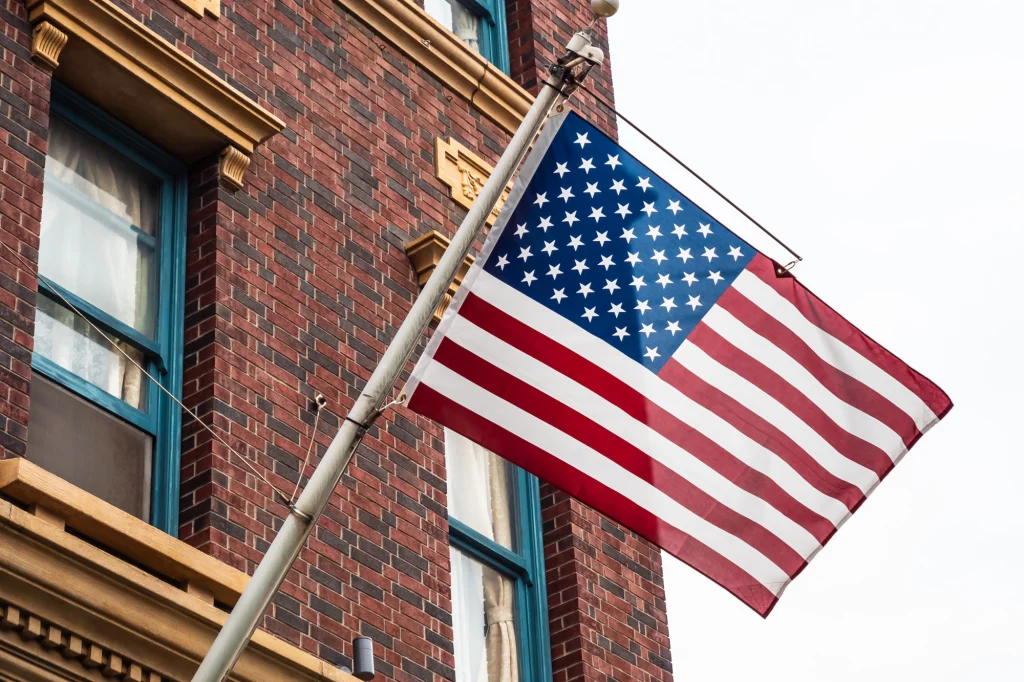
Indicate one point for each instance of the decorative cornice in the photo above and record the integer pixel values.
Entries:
(406, 25)
(47, 42)
(118, 612)
(140, 78)
(425, 252)
(74, 647)
(465, 173)
(201, 7)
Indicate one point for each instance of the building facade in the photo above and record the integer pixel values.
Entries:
(239, 201)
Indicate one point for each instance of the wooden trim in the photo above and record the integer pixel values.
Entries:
(425, 252)
(140, 78)
(465, 174)
(105, 607)
(107, 525)
(407, 25)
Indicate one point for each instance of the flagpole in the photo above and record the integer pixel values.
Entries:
(303, 514)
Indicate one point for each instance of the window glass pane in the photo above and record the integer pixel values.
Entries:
(70, 341)
(101, 213)
(482, 490)
(89, 447)
(458, 18)
(484, 620)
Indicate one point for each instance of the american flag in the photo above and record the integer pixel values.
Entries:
(620, 343)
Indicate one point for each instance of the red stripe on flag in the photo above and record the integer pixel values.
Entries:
(699, 556)
(632, 402)
(850, 446)
(618, 450)
(842, 385)
(762, 432)
(822, 316)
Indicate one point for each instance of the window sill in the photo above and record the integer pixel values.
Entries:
(59, 587)
(435, 48)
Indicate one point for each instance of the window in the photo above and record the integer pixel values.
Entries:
(112, 244)
(480, 24)
(499, 600)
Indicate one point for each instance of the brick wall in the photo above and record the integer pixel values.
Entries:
(24, 115)
(294, 286)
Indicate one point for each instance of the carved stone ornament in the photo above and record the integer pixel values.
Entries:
(201, 7)
(233, 165)
(425, 252)
(47, 42)
(465, 173)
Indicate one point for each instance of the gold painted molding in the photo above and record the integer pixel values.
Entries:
(47, 42)
(56, 579)
(465, 173)
(201, 7)
(425, 252)
(143, 80)
(407, 25)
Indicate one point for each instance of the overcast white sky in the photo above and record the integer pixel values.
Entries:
(883, 139)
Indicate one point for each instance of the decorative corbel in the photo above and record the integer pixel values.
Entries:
(47, 42)
(201, 7)
(232, 167)
(425, 252)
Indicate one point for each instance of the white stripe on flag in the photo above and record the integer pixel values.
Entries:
(719, 431)
(596, 408)
(775, 413)
(846, 416)
(833, 351)
(599, 468)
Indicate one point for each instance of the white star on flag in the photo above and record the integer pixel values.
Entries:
(659, 256)
(597, 213)
(664, 280)
(618, 186)
(716, 277)
(528, 278)
(521, 230)
(710, 254)
(642, 306)
(566, 194)
(582, 139)
(735, 253)
(647, 330)
(620, 333)
(634, 259)
(549, 248)
(554, 270)
(616, 310)
(654, 231)
(680, 231)
(684, 254)
(591, 189)
(575, 242)
(607, 262)
(628, 235)
(525, 254)
(668, 304)
(694, 302)
(580, 266)
(613, 161)
(587, 166)
(705, 230)
(690, 278)
(589, 313)
(611, 285)
(638, 282)
(541, 199)
(649, 209)
(673, 327)
(585, 290)
(601, 238)
(502, 262)
(559, 295)
(570, 218)
(624, 210)
(562, 169)
(645, 184)
(652, 353)
(674, 207)
(545, 223)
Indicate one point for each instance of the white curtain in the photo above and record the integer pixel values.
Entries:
(478, 494)
(94, 204)
(466, 25)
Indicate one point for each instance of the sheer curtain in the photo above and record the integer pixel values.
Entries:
(100, 213)
(479, 496)
(458, 18)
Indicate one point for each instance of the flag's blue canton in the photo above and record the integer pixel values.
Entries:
(607, 244)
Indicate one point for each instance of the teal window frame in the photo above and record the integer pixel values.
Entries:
(163, 353)
(494, 31)
(526, 567)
